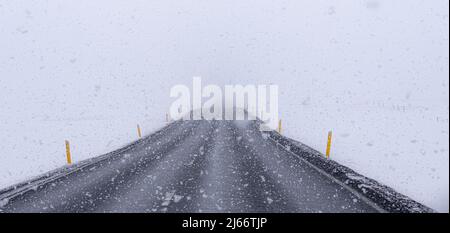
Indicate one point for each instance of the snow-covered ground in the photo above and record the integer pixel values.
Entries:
(373, 71)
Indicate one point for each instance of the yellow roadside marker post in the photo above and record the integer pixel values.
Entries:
(139, 131)
(69, 159)
(328, 144)
(279, 126)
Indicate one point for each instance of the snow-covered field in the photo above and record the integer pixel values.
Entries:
(373, 71)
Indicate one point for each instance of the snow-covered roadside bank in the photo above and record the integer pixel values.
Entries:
(404, 148)
(34, 147)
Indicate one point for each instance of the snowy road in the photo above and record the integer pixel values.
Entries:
(195, 166)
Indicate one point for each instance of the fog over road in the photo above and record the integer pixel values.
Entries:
(195, 166)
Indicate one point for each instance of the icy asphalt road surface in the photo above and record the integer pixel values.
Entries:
(195, 166)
